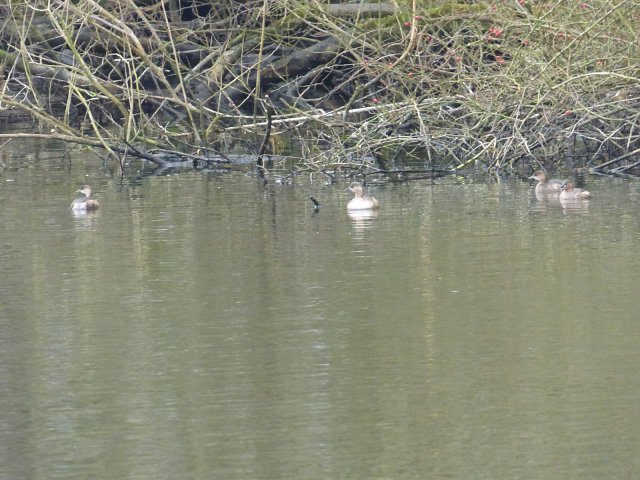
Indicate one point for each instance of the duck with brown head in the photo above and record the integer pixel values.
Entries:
(569, 192)
(84, 203)
(545, 186)
(360, 200)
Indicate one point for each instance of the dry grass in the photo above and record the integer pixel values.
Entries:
(509, 85)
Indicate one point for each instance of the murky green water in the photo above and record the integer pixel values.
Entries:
(206, 326)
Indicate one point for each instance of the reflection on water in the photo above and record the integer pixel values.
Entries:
(204, 326)
(362, 219)
(575, 205)
(550, 202)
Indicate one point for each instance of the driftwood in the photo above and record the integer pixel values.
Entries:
(161, 157)
(605, 167)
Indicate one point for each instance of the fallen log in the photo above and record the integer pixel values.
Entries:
(162, 157)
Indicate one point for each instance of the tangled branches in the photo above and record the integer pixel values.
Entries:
(448, 86)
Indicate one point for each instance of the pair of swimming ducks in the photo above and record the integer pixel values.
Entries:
(563, 188)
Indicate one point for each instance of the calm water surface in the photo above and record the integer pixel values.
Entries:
(207, 326)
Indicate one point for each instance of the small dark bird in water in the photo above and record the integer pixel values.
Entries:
(316, 204)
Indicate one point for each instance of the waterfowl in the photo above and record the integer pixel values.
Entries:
(544, 186)
(316, 205)
(569, 192)
(85, 202)
(360, 201)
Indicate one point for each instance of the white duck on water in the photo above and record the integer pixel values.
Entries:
(360, 201)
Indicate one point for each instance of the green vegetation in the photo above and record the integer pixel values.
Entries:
(431, 85)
